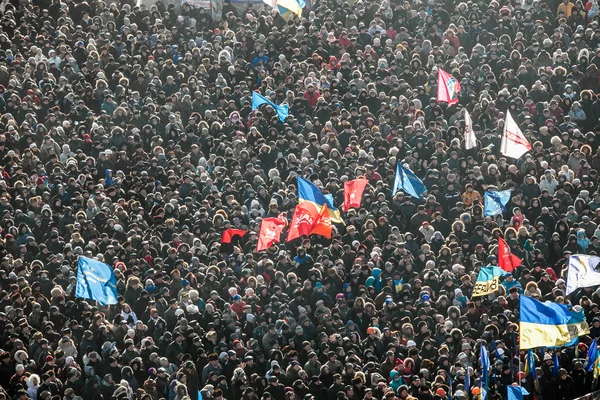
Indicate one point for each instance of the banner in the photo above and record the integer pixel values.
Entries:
(96, 281)
(488, 281)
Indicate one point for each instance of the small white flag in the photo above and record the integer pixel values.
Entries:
(514, 144)
(470, 140)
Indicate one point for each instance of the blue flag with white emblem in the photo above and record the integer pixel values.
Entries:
(494, 202)
(408, 182)
(96, 281)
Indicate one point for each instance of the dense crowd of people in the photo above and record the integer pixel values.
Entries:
(127, 135)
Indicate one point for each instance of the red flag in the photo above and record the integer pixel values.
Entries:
(305, 216)
(270, 232)
(228, 234)
(353, 191)
(322, 225)
(506, 260)
(448, 87)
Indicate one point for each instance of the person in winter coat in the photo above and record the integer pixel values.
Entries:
(564, 386)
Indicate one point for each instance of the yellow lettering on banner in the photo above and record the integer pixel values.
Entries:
(483, 288)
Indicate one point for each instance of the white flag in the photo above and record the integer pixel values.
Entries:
(582, 272)
(470, 140)
(514, 144)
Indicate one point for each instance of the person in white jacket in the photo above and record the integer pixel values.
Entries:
(548, 182)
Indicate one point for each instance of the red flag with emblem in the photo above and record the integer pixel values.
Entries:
(303, 221)
(270, 232)
(506, 260)
(448, 88)
(353, 191)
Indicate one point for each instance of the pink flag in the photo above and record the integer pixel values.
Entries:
(448, 87)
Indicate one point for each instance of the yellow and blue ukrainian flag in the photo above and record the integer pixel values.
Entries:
(549, 324)
(308, 192)
(289, 7)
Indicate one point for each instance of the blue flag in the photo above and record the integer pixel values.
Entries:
(200, 397)
(515, 392)
(408, 182)
(484, 362)
(494, 202)
(259, 100)
(96, 281)
(556, 366)
(592, 356)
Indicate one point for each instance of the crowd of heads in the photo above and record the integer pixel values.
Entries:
(128, 135)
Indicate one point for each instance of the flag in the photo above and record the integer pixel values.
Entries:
(556, 366)
(513, 144)
(582, 272)
(484, 363)
(596, 371)
(470, 139)
(270, 232)
(353, 191)
(259, 100)
(549, 324)
(488, 281)
(287, 8)
(322, 225)
(592, 356)
(467, 378)
(308, 192)
(200, 397)
(408, 182)
(515, 392)
(229, 234)
(303, 220)
(96, 281)
(506, 260)
(494, 202)
(448, 87)
(398, 284)
(270, 3)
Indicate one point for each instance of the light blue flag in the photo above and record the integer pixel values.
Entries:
(408, 182)
(591, 357)
(258, 100)
(515, 392)
(96, 281)
(494, 202)
(200, 397)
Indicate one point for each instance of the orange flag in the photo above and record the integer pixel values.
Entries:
(270, 232)
(506, 260)
(322, 225)
(303, 221)
(353, 191)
